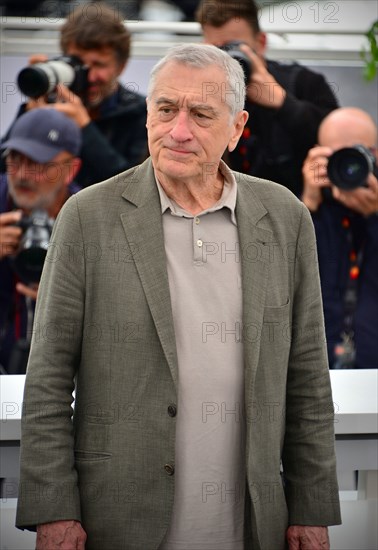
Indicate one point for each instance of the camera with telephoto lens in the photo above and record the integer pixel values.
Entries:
(30, 256)
(42, 78)
(349, 167)
(233, 49)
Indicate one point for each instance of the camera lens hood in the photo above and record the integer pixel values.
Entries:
(349, 167)
(33, 82)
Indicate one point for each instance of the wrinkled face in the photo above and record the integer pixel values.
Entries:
(34, 185)
(189, 123)
(104, 70)
(235, 29)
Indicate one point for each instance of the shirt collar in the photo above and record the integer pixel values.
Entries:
(227, 199)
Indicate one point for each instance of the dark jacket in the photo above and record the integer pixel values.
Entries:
(274, 143)
(114, 142)
(335, 242)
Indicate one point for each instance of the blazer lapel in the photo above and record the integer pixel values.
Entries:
(143, 227)
(254, 244)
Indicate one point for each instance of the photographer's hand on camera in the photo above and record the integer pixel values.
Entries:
(66, 102)
(29, 291)
(71, 105)
(10, 234)
(38, 58)
(363, 200)
(262, 88)
(315, 176)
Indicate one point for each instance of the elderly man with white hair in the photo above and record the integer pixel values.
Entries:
(192, 333)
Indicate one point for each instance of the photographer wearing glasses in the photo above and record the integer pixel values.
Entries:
(42, 161)
(341, 191)
(84, 85)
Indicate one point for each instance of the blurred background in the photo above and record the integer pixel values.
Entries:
(329, 37)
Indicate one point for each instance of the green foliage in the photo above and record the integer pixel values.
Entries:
(371, 56)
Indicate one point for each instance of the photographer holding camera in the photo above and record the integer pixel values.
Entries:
(341, 191)
(112, 118)
(285, 102)
(42, 161)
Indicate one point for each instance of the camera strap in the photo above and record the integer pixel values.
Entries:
(344, 351)
(20, 352)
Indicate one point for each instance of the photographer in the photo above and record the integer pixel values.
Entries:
(286, 103)
(42, 161)
(112, 118)
(341, 191)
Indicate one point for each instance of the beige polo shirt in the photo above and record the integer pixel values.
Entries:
(204, 271)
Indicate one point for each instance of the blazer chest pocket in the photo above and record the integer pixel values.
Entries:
(276, 330)
(277, 313)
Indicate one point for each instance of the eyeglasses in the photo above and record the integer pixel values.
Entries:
(15, 160)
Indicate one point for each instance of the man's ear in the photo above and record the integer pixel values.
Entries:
(73, 169)
(238, 124)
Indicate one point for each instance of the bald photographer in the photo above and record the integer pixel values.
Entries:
(341, 192)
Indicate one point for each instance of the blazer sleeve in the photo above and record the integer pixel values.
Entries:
(308, 458)
(48, 488)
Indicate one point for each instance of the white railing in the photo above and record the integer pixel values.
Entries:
(337, 41)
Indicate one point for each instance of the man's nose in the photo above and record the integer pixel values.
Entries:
(25, 166)
(92, 75)
(181, 130)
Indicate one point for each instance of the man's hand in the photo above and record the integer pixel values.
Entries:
(363, 200)
(67, 103)
(262, 88)
(71, 105)
(38, 58)
(307, 537)
(61, 535)
(28, 291)
(315, 177)
(10, 235)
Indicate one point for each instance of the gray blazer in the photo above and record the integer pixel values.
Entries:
(104, 326)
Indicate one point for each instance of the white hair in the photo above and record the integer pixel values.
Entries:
(201, 56)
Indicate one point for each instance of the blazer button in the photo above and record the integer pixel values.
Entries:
(172, 410)
(170, 469)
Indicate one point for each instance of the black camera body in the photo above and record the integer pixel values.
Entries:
(233, 49)
(30, 256)
(349, 167)
(42, 78)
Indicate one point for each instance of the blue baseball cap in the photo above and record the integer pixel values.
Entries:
(41, 134)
